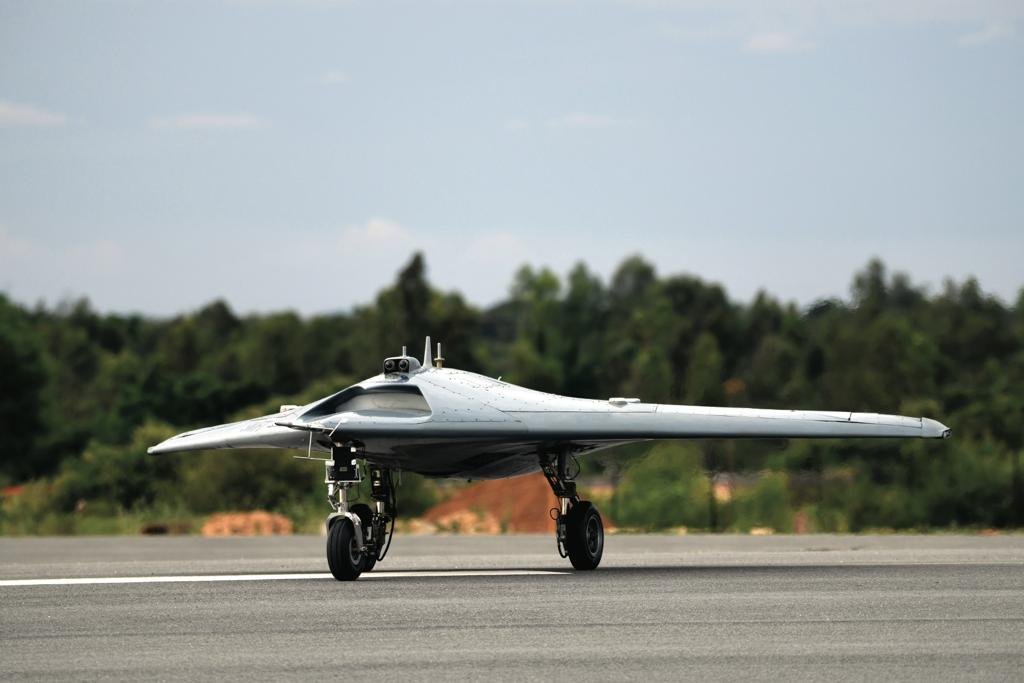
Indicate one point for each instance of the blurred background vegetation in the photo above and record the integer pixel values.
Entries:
(83, 395)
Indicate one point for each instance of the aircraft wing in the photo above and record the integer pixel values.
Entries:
(455, 396)
(260, 432)
(632, 422)
(654, 421)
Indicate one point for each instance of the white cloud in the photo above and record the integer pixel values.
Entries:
(375, 232)
(336, 77)
(582, 120)
(209, 122)
(990, 33)
(777, 43)
(12, 114)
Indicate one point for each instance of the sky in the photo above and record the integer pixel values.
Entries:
(155, 156)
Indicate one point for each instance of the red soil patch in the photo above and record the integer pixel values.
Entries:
(256, 523)
(11, 491)
(516, 505)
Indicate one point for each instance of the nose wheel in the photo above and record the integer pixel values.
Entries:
(579, 531)
(344, 555)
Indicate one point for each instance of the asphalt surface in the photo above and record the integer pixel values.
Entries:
(663, 607)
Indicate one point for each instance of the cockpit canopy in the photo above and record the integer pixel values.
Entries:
(387, 400)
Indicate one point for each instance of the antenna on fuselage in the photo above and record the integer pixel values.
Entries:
(426, 352)
(438, 361)
(404, 349)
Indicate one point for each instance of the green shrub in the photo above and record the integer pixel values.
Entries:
(667, 488)
(265, 479)
(766, 504)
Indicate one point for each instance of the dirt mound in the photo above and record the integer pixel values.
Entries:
(517, 505)
(12, 491)
(256, 523)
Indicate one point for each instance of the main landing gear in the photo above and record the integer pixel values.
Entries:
(578, 528)
(358, 536)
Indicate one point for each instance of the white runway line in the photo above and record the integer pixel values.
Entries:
(210, 578)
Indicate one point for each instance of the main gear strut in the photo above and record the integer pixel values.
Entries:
(579, 532)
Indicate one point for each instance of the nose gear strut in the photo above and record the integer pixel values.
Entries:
(358, 536)
(579, 532)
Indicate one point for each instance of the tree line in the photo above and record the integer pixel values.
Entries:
(84, 393)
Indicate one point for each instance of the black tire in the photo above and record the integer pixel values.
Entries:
(343, 555)
(365, 515)
(584, 535)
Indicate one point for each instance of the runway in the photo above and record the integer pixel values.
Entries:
(440, 607)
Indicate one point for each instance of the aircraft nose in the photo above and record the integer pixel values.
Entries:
(933, 429)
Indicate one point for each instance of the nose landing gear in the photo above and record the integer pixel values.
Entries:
(358, 536)
(579, 531)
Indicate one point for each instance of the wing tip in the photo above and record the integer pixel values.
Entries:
(933, 429)
(163, 447)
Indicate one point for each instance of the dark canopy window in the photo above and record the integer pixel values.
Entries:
(400, 400)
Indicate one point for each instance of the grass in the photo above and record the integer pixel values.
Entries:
(125, 523)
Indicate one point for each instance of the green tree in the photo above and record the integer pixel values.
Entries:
(704, 374)
(22, 378)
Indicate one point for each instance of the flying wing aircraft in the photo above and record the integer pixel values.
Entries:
(442, 422)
